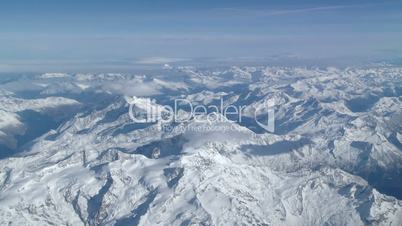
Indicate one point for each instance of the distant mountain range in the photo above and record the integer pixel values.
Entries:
(72, 155)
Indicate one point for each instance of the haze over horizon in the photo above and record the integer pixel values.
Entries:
(208, 112)
(105, 35)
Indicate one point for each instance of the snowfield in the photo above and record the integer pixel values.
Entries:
(335, 157)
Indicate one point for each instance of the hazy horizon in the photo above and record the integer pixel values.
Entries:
(102, 35)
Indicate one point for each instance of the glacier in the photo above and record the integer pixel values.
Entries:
(334, 158)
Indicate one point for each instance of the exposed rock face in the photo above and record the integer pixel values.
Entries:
(156, 153)
(334, 159)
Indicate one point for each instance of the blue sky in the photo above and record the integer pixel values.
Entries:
(73, 35)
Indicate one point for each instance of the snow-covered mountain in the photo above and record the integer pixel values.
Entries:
(12, 111)
(334, 158)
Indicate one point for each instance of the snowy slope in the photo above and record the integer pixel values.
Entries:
(334, 159)
(11, 123)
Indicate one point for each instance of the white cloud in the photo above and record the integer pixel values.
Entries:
(260, 12)
(133, 88)
(159, 60)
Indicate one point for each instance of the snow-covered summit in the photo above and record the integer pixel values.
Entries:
(334, 158)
